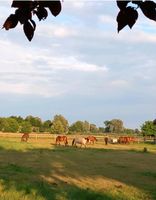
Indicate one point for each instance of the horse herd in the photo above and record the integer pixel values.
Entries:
(77, 140)
(83, 141)
(92, 139)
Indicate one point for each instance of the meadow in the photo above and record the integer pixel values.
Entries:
(40, 170)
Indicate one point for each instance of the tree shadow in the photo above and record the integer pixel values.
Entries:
(36, 173)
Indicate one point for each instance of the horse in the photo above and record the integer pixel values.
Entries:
(91, 139)
(79, 140)
(113, 140)
(126, 140)
(25, 137)
(61, 138)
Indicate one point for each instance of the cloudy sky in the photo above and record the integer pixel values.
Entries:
(78, 65)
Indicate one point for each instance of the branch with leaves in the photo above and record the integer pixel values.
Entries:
(26, 10)
(128, 14)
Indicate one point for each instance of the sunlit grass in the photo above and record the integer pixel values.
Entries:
(38, 170)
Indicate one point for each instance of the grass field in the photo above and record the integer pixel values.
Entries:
(38, 170)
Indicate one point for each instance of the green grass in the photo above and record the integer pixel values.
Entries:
(41, 171)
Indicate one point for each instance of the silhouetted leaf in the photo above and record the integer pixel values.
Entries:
(122, 4)
(122, 20)
(127, 16)
(21, 4)
(132, 16)
(17, 4)
(149, 9)
(28, 30)
(55, 7)
(23, 14)
(11, 22)
(41, 13)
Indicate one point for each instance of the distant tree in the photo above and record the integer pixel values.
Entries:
(10, 125)
(34, 121)
(25, 10)
(101, 130)
(93, 128)
(148, 128)
(77, 126)
(26, 127)
(114, 126)
(86, 126)
(46, 126)
(19, 119)
(137, 131)
(128, 131)
(59, 125)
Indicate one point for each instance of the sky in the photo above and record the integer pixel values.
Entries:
(77, 65)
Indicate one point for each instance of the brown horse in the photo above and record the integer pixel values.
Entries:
(61, 138)
(126, 140)
(91, 139)
(25, 137)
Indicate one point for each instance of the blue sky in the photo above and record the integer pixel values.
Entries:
(78, 66)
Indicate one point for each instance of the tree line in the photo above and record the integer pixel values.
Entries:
(60, 125)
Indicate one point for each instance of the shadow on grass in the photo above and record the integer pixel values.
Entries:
(33, 172)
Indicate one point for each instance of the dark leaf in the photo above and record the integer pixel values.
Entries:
(41, 13)
(122, 4)
(21, 4)
(128, 16)
(28, 30)
(121, 20)
(149, 9)
(55, 7)
(11, 22)
(132, 16)
(23, 14)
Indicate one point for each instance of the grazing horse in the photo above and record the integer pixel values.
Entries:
(91, 139)
(25, 137)
(127, 140)
(79, 140)
(62, 138)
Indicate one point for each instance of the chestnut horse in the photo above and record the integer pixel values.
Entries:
(61, 138)
(25, 137)
(79, 140)
(91, 139)
(127, 140)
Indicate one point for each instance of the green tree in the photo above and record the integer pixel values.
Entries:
(60, 125)
(114, 126)
(35, 122)
(93, 128)
(26, 127)
(77, 126)
(148, 128)
(86, 126)
(10, 125)
(19, 119)
(46, 126)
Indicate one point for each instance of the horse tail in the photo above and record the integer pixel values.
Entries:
(73, 141)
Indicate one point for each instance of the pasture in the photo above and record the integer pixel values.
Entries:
(40, 170)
